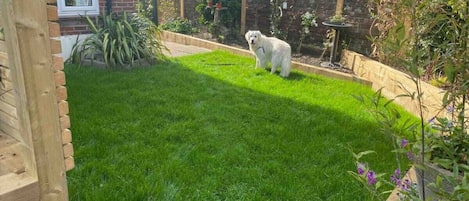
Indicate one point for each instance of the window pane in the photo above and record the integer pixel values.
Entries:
(78, 2)
(75, 8)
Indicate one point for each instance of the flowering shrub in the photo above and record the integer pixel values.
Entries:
(275, 18)
(369, 179)
(397, 130)
(308, 21)
(443, 140)
(439, 140)
(444, 143)
(375, 182)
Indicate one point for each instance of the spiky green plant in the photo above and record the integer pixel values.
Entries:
(119, 41)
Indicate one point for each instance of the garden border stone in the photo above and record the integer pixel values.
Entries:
(393, 83)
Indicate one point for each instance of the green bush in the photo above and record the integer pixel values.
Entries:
(180, 25)
(228, 17)
(119, 41)
(438, 25)
(205, 14)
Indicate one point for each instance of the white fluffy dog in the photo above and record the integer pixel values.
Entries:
(270, 49)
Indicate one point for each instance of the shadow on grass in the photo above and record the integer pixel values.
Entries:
(296, 76)
(174, 132)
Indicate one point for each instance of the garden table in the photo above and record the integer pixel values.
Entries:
(337, 29)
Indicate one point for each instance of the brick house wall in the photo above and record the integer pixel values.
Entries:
(76, 25)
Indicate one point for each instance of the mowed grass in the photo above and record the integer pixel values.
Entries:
(211, 127)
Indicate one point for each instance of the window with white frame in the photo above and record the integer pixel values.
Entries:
(75, 8)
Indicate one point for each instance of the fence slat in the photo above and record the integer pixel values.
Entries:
(3, 46)
(4, 59)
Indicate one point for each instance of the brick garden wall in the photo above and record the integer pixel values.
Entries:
(120, 5)
(258, 15)
(189, 9)
(258, 18)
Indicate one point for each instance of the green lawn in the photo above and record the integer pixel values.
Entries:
(211, 127)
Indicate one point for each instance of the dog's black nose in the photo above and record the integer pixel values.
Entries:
(252, 41)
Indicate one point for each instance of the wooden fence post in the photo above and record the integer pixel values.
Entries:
(182, 8)
(339, 7)
(243, 17)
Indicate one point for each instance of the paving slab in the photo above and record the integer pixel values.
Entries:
(177, 49)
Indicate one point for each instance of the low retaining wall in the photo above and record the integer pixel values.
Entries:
(189, 40)
(394, 83)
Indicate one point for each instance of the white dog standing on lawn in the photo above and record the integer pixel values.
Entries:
(270, 49)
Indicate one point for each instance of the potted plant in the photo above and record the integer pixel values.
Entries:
(337, 19)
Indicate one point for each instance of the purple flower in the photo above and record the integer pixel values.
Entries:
(450, 109)
(395, 180)
(371, 177)
(404, 143)
(396, 177)
(397, 172)
(360, 168)
(410, 156)
(405, 185)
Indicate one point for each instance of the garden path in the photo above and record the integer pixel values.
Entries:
(177, 49)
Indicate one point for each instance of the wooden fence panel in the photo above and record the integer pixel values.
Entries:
(8, 120)
(34, 111)
(18, 178)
